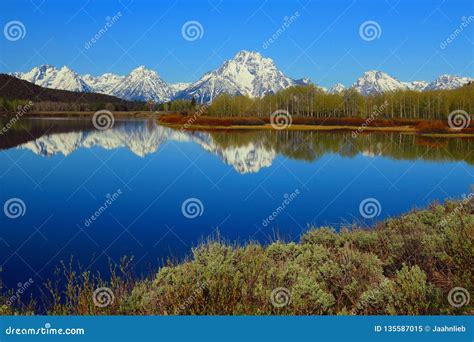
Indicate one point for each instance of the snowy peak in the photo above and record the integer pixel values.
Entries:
(248, 73)
(103, 84)
(180, 86)
(374, 82)
(49, 77)
(303, 81)
(143, 84)
(446, 82)
(416, 85)
(337, 88)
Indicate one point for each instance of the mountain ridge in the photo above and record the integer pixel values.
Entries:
(247, 73)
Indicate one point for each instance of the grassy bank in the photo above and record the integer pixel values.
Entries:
(412, 126)
(405, 265)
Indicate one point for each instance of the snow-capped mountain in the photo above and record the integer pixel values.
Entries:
(337, 88)
(303, 81)
(103, 84)
(445, 82)
(177, 87)
(416, 85)
(142, 85)
(374, 82)
(50, 77)
(248, 73)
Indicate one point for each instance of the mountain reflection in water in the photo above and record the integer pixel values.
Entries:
(246, 151)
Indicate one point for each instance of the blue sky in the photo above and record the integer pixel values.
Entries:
(322, 43)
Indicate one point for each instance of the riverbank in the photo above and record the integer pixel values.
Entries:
(407, 265)
(433, 128)
(426, 128)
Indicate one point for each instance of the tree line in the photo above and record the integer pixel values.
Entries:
(310, 101)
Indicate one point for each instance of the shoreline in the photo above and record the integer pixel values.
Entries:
(191, 123)
(395, 129)
(408, 129)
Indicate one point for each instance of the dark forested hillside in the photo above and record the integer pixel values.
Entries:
(14, 92)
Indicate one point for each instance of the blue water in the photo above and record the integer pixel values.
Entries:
(65, 174)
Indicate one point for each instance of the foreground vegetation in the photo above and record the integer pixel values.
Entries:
(404, 266)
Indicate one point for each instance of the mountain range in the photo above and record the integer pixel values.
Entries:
(247, 73)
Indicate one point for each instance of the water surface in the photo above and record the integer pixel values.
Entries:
(65, 171)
